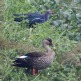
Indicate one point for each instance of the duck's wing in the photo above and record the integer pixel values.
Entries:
(26, 60)
(35, 54)
(34, 16)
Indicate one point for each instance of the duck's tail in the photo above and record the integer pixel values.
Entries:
(20, 62)
(19, 17)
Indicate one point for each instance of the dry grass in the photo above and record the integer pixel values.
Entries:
(72, 55)
(23, 47)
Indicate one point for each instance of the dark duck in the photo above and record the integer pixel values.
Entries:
(35, 61)
(33, 18)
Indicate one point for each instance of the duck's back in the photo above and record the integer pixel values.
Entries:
(37, 60)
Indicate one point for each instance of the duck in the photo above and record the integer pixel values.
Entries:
(33, 18)
(35, 61)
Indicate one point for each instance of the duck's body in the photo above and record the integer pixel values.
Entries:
(36, 60)
(33, 18)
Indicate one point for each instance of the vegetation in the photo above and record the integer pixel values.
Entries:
(17, 38)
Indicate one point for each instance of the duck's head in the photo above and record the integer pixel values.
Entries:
(50, 12)
(47, 41)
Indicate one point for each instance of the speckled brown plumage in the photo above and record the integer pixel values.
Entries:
(37, 60)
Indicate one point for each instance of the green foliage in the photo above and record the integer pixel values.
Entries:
(63, 27)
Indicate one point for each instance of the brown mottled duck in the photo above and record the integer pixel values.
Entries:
(36, 60)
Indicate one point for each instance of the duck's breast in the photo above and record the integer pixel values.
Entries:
(42, 62)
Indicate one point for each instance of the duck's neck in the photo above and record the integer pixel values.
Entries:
(46, 16)
(49, 50)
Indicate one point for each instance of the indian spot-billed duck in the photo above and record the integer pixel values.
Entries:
(36, 60)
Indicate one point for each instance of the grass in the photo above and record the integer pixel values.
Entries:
(17, 39)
